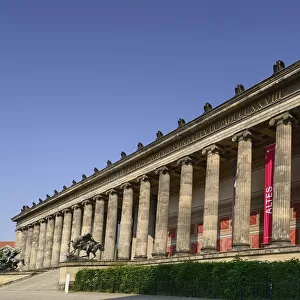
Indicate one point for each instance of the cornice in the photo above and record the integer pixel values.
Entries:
(231, 105)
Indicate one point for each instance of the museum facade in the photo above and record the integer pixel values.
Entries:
(227, 181)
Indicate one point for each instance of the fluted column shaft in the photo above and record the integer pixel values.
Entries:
(18, 238)
(282, 180)
(185, 206)
(42, 242)
(23, 243)
(34, 245)
(28, 247)
(126, 223)
(57, 236)
(76, 223)
(111, 226)
(143, 218)
(66, 234)
(241, 234)
(49, 242)
(87, 217)
(162, 213)
(211, 199)
(98, 221)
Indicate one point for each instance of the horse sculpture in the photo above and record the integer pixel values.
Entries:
(85, 243)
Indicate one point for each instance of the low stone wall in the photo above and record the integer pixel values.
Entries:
(267, 254)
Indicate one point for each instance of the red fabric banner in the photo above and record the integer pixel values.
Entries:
(268, 192)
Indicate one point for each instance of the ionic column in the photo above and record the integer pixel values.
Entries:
(143, 218)
(185, 206)
(282, 180)
(211, 199)
(57, 235)
(126, 223)
(28, 247)
(23, 242)
(34, 245)
(41, 247)
(241, 233)
(18, 238)
(49, 242)
(87, 217)
(66, 234)
(76, 223)
(98, 221)
(111, 225)
(162, 213)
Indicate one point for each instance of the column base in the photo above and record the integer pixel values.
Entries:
(279, 243)
(140, 257)
(182, 253)
(123, 258)
(209, 250)
(158, 255)
(240, 247)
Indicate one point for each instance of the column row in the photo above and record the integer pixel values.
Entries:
(47, 241)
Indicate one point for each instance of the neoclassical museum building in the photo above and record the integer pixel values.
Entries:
(226, 182)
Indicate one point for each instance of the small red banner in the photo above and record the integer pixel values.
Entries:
(268, 192)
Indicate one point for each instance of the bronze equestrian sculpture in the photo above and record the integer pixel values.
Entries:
(85, 243)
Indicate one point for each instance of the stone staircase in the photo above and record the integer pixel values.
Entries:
(47, 281)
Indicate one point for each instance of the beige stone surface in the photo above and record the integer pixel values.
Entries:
(111, 226)
(211, 199)
(4, 279)
(143, 218)
(162, 213)
(126, 223)
(185, 207)
(282, 180)
(57, 235)
(241, 224)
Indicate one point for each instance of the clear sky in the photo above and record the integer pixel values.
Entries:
(81, 81)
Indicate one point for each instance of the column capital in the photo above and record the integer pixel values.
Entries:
(143, 178)
(285, 118)
(76, 206)
(126, 186)
(111, 192)
(36, 223)
(86, 202)
(185, 161)
(212, 149)
(30, 226)
(66, 211)
(58, 214)
(98, 197)
(49, 217)
(162, 170)
(42, 221)
(243, 135)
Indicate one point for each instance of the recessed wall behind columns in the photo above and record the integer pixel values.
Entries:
(226, 188)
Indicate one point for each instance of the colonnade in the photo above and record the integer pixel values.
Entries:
(46, 242)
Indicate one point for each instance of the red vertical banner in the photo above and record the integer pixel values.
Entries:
(268, 192)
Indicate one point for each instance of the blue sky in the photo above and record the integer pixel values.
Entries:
(81, 81)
